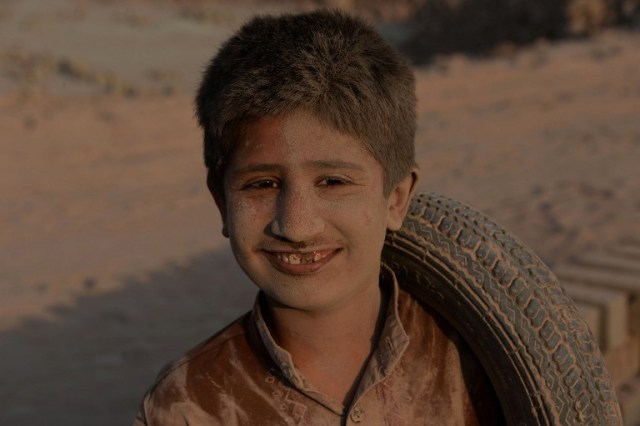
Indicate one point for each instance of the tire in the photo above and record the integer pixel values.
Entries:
(526, 332)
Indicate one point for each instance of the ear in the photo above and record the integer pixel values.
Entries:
(400, 198)
(218, 197)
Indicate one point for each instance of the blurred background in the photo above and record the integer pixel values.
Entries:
(112, 258)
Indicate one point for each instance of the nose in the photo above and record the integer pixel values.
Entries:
(298, 216)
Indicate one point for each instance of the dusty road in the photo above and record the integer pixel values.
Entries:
(113, 261)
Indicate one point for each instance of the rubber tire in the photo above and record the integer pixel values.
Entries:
(527, 333)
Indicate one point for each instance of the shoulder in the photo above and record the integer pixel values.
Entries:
(452, 364)
(431, 334)
(209, 351)
(199, 375)
(435, 341)
(416, 316)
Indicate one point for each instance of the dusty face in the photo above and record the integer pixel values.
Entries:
(305, 212)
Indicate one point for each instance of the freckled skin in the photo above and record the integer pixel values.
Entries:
(297, 209)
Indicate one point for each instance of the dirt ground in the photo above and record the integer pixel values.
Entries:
(113, 262)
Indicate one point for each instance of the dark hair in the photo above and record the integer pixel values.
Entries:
(335, 66)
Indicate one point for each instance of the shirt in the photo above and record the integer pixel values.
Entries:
(421, 373)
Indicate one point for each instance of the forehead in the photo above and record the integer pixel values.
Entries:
(295, 138)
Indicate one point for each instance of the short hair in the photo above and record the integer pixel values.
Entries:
(332, 65)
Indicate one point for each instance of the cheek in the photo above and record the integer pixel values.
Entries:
(365, 223)
(236, 213)
(369, 220)
(375, 215)
(245, 217)
(240, 218)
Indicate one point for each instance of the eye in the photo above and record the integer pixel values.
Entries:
(332, 181)
(262, 184)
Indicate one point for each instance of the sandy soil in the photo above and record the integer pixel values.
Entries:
(113, 262)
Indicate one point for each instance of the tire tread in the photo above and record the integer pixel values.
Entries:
(531, 315)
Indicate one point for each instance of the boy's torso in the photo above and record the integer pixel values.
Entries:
(420, 373)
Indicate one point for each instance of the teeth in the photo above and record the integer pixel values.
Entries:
(300, 258)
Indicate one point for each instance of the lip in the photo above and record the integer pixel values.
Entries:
(275, 258)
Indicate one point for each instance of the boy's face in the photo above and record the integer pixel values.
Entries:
(305, 212)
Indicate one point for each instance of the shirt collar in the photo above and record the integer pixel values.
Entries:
(279, 355)
(393, 338)
(391, 345)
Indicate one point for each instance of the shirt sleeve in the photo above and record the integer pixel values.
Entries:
(141, 417)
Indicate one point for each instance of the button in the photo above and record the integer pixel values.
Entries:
(357, 415)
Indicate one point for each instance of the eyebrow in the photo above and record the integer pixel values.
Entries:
(335, 164)
(315, 164)
(259, 167)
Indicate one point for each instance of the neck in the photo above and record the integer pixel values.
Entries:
(331, 348)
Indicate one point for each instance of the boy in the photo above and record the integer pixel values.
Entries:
(309, 124)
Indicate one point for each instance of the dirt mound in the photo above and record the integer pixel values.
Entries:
(431, 27)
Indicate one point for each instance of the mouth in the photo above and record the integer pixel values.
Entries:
(298, 262)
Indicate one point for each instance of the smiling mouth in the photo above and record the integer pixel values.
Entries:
(297, 262)
(299, 258)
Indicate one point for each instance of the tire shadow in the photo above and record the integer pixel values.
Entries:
(92, 363)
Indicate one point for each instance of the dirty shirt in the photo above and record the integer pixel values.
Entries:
(421, 373)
